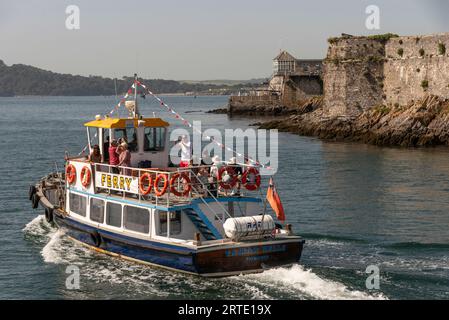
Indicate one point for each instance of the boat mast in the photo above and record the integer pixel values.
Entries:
(136, 110)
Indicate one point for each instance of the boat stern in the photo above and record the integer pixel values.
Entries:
(241, 258)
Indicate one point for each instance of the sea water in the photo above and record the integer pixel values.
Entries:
(356, 206)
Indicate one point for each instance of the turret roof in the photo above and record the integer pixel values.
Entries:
(284, 56)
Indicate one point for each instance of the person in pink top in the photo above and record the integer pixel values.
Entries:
(113, 156)
(125, 159)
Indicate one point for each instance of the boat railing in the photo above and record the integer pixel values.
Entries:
(205, 184)
(211, 195)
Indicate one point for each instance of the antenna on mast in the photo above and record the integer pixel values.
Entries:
(136, 110)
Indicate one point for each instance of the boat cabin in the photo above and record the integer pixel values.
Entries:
(147, 139)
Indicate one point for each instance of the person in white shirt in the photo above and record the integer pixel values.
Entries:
(186, 151)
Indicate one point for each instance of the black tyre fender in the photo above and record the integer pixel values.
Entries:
(35, 201)
(31, 192)
(96, 238)
(49, 215)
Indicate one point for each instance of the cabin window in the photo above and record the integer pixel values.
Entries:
(114, 214)
(175, 222)
(154, 139)
(93, 136)
(130, 136)
(162, 223)
(137, 219)
(96, 210)
(78, 204)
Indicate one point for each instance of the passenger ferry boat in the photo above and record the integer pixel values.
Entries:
(161, 215)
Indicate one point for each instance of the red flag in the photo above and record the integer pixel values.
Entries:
(275, 202)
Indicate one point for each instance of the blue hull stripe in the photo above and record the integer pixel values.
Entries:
(125, 239)
(147, 251)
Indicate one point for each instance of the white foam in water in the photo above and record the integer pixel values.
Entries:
(35, 226)
(309, 283)
(255, 292)
(50, 252)
(40, 228)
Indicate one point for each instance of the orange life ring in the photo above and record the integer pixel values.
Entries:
(85, 176)
(254, 185)
(159, 192)
(187, 186)
(145, 190)
(70, 173)
(231, 172)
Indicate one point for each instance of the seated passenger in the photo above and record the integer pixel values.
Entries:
(212, 186)
(95, 156)
(203, 179)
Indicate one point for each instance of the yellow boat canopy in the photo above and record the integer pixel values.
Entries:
(121, 123)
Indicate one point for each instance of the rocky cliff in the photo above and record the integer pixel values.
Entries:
(383, 90)
(421, 123)
(361, 73)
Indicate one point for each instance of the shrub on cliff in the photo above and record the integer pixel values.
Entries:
(382, 109)
(421, 52)
(383, 37)
(425, 84)
(400, 52)
(378, 37)
(441, 49)
(333, 40)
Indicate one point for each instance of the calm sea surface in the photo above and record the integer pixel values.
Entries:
(355, 205)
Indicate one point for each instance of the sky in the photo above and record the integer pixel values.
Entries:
(195, 39)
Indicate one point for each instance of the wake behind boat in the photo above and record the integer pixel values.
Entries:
(191, 219)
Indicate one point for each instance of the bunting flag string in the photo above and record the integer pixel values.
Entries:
(177, 116)
(187, 123)
(116, 107)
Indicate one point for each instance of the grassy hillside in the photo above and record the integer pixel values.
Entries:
(20, 79)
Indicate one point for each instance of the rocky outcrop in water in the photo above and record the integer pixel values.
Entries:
(308, 105)
(422, 123)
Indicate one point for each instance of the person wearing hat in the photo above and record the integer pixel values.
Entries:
(213, 178)
(216, 165)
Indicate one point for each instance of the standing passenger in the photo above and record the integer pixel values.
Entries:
(125, 159)
(105, 150)
(186, 152)
(238, 172)
(113, 157)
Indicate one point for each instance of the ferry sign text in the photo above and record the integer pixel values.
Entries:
(117, 182)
